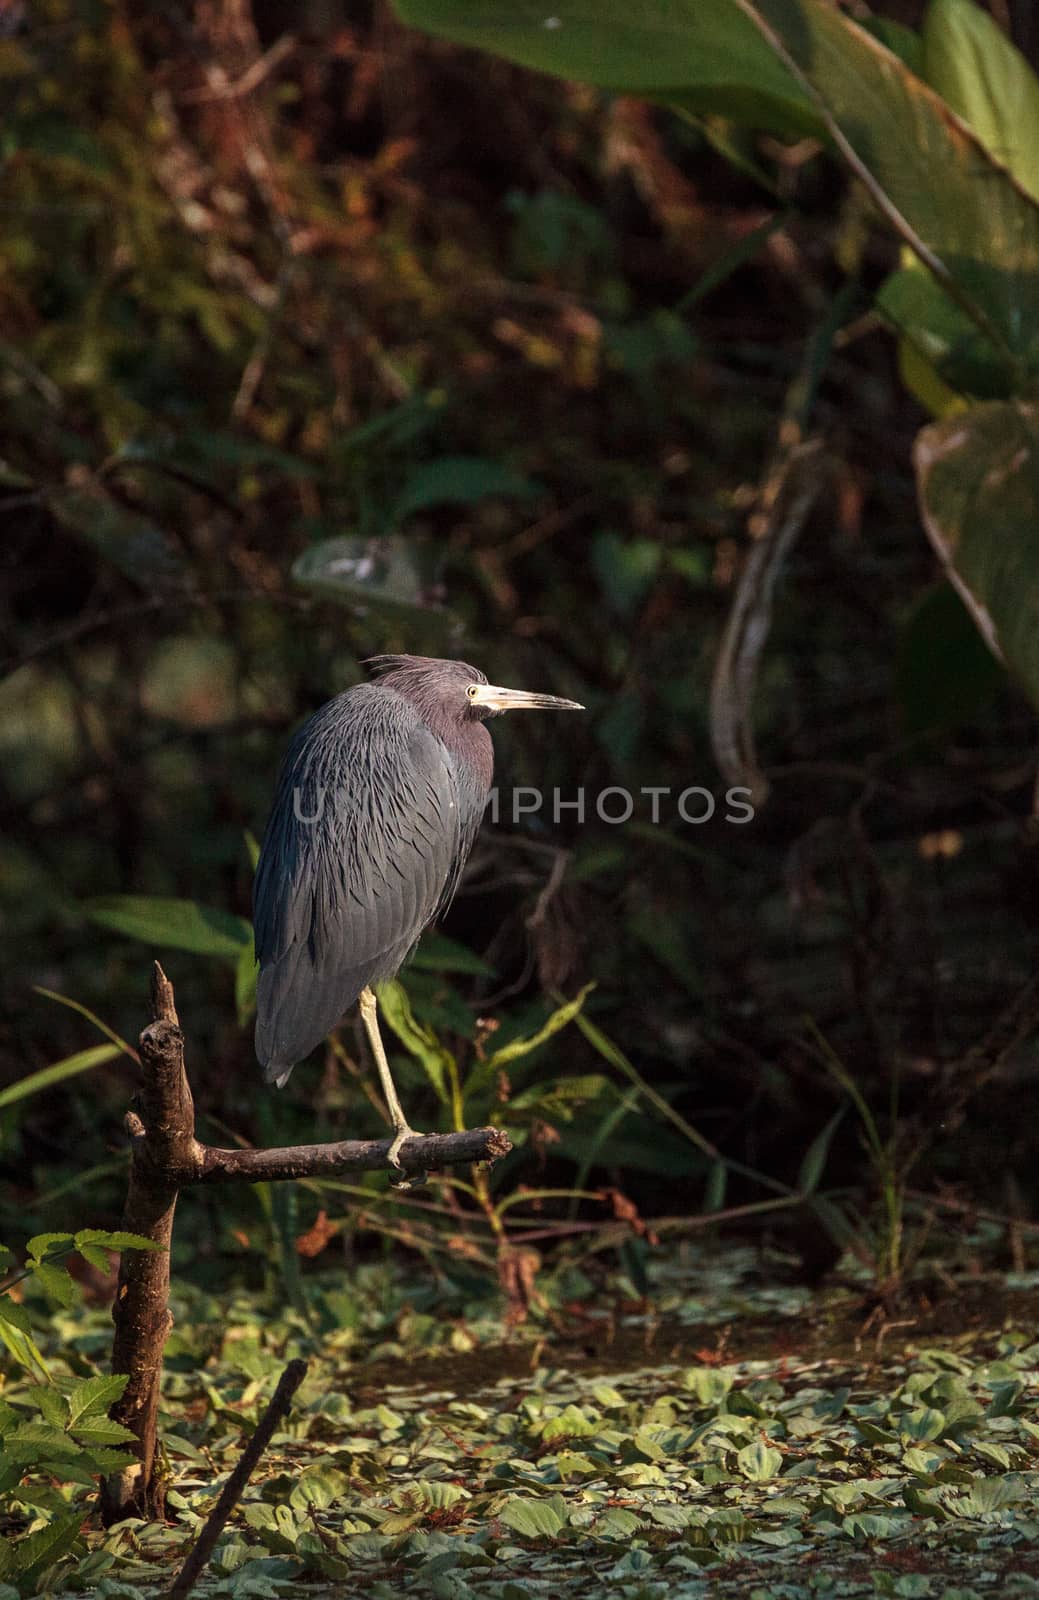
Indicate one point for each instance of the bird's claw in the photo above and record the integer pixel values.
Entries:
(402, 1180)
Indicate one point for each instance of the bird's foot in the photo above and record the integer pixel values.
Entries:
(401, 1136)
(403, 1180)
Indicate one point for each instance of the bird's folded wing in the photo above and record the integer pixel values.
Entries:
(359, 853)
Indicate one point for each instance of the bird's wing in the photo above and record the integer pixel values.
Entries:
(362, 843)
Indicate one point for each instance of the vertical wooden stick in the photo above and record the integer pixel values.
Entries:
(163, 1139)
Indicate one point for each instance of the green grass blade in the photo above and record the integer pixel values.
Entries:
(57, 1072)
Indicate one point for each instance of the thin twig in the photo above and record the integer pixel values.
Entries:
(220, 89)
(549, 892)
(787, 498)
(230, 1494)
(964, 1208)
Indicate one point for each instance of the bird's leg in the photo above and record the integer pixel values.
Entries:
(402, 1131)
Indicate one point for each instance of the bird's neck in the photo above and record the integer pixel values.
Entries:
(469, 742)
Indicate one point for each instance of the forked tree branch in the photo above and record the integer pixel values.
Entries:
(166, 1158)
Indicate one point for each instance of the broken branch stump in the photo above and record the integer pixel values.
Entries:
(166, 1158)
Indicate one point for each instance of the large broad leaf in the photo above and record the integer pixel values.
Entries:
(698, 54)
(963, 214)
(945, 676)
(175, 924)
(987, 81)
(386, 575)
(978, 481)
(139, 548)
(956, 353)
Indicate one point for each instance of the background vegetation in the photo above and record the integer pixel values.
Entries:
(321, 338)
(532, 362)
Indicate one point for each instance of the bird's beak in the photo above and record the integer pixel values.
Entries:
(495, 699)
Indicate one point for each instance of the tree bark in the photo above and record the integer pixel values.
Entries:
(141, 1311)
(165, 1158)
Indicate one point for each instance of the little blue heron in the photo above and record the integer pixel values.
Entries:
(379, 800)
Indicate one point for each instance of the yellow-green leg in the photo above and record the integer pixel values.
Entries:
(402, 1131)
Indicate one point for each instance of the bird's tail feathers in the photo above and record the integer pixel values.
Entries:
(277, 1074)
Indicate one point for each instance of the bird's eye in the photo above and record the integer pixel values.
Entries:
(472, 691)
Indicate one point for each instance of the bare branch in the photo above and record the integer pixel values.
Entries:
(350, 1155)
(230, 1494)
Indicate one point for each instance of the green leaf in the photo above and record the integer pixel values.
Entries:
(420, 1041)
(438, 953)
(987, 1495)
(730, 1526)
(759, 1461)
(619, 1525)
(945, 676)
(904, 42)
(626, 569)
(195, 447)
(984, 77)
(535, 1519)
(17, 1339)
(44, 1548)
(96, 1460)
(387, 574)
(42, 1245)
(814, 1163)
(517, 1048)
(460, 480)
(57, 1072)
(924, 382)
(102, 1431)
(172, 924)
(94, 1395)
(51, 1404)
(870, 1525)
(697, 54)
(246, 974)
(117, 1240)
(96, 1256)
(922, 1424)
(942, 335)
(1005, 1397)
(35, 1440)
(710, 1385)
(138, 548)
(977, 228)
(56, 1284)
(978, 481)
(835, 1221)
(998, 1454)
(563, 1093)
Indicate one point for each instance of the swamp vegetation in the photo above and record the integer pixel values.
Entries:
(677, 359)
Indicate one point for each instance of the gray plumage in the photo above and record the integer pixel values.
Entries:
(379, 800)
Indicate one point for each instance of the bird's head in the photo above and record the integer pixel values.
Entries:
(459, 692)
